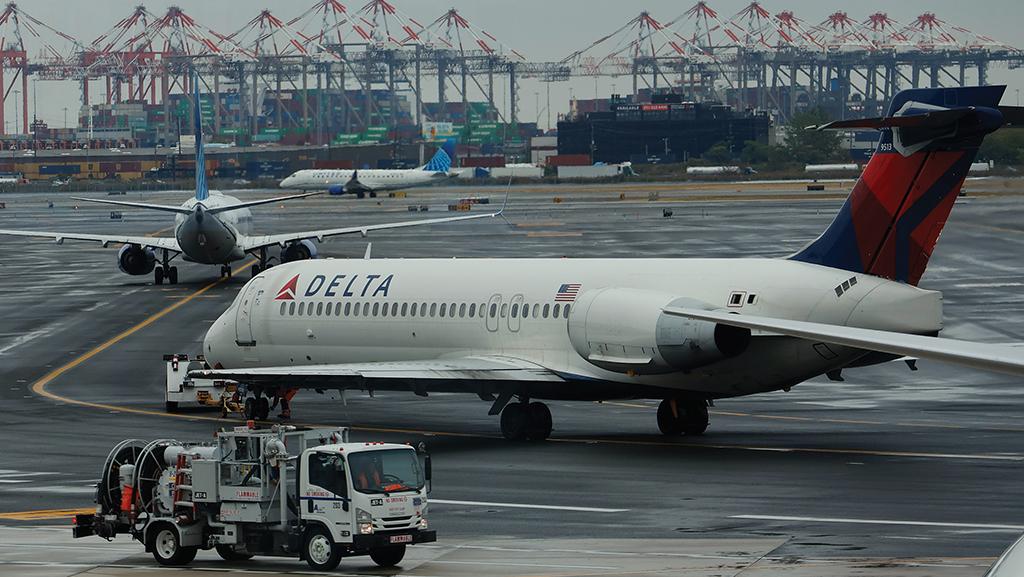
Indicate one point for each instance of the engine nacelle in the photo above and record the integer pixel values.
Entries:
(300, 250)
(625, 330)
(336, 189)
(134, 260)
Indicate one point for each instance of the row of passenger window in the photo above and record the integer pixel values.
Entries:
(424, 310)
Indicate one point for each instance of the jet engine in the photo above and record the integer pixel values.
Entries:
(625, 330)
(298, 250)
(134, 260)
(336, 189)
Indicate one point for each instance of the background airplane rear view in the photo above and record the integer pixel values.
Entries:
(215, 228)
(595, 329)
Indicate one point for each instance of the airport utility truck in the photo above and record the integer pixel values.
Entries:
(281, 491)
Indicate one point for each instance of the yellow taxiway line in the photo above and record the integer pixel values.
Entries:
(39, 386)
(44, 514)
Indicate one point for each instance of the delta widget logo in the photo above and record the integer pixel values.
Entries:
(287, 292)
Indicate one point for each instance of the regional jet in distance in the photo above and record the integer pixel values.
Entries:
(685, 331)
(214, 228)
(372, 181)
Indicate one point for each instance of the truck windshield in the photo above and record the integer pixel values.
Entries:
(386, 471)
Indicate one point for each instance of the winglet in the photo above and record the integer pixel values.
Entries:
(501, 211)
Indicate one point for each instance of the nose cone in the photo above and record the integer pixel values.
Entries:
(218, 340)
(288, 182)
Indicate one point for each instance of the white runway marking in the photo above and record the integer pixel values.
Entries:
(880, 522)
(526, 506)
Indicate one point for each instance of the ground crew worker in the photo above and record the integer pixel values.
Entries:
(368, 476)
(286, 403)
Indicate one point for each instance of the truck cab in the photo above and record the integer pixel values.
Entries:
(367, 496)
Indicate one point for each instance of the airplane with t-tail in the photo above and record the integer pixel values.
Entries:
(685, 331)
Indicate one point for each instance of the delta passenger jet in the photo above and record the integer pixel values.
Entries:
(686, 331)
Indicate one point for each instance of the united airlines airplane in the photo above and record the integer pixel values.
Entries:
(214, 228)
(372, 181)
(686, 331)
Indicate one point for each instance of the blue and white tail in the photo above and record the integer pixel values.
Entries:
(202, 192)
(442, 160)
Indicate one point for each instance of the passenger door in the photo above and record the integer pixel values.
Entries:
(252, 294)
(492, 314)
(515, 313)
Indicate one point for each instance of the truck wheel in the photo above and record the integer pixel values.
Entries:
(388, 556)
(166, 547)
(171, 406)
(319, 550)
(228, 553)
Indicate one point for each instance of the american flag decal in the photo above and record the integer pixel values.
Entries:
(567, 292)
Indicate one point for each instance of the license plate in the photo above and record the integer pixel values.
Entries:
(400, 539)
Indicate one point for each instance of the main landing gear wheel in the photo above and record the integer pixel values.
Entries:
(172, 275)
(225, 271)
(250, 409)
(360, 195)
(526, 421)
(158, 275)
(262, 408)
(679, 417)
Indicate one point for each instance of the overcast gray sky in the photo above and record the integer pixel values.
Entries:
(543, 30)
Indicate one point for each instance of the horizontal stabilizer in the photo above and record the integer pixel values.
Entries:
(933, 118)
(221, 209)
(145, 205)
(991, 357)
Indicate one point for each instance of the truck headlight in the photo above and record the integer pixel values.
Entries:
(364, 522)
(423, 523)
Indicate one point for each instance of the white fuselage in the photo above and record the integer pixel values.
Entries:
(370, 179)
(351, 311)
(212, 239)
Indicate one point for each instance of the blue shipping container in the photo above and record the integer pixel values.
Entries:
(59, 169)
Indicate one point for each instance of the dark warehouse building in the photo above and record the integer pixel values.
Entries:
(666, 129)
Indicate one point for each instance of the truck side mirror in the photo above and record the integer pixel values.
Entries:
(344, 506)
(427, 467)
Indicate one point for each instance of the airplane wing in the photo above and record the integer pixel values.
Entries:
(259, 202)
(390, 375)
(991, 357)
(254, 242)
(105, 239)
(146, 205)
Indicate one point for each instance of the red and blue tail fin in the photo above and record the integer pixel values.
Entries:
(891, 221)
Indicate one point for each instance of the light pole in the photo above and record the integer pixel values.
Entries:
(65, 118)
(16, 125)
